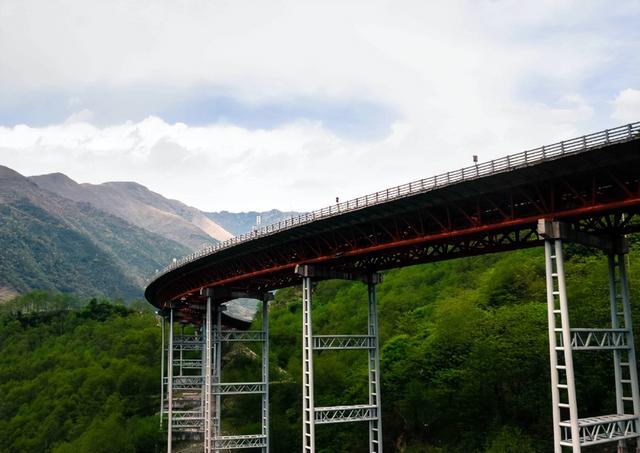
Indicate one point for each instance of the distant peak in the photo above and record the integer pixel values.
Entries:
(6, 172)
(58, 178)
(125, 184)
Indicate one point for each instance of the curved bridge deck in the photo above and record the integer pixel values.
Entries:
(592, 182)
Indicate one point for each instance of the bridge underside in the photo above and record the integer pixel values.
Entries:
(596, 191)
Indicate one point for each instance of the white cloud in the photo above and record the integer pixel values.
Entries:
(627, 106)
(215, 167)
(466, 78)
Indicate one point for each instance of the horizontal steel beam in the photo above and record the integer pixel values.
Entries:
(239, 388)
(552, 229)
(324, 273)
(323, 342)
(244, 336)
(603, 429)
(233, 442)
(599, 339)
(344, 414)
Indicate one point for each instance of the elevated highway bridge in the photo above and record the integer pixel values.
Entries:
(585, 190)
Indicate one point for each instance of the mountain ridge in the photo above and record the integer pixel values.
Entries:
(53, 243)
(140, 206)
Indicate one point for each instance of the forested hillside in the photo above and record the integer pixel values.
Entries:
(51, 243)
(77, 378)
(464, 363)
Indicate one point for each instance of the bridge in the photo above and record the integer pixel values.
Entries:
(584, 190)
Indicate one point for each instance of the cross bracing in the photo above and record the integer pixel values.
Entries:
(341, 414)
(321, 342)
(599, 339)
(603, 429)
(244, 336)
(239, 388)
(234, 442)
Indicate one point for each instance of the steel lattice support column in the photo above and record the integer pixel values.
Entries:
(624, 425)
(375, 425)
(308, 407)
(563, 388)
(213, 386)
(217, 371)
(212, 375)
(626, 372)
(370, 412)
(162, 353)
(265, 373)
(170, 385)
(207, 394)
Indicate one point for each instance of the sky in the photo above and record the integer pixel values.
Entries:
(252, 105)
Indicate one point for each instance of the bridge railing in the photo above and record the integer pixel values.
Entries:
(510, 162)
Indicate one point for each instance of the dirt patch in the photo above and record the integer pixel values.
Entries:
(6, 294)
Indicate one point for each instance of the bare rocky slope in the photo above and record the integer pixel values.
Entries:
(142, 207)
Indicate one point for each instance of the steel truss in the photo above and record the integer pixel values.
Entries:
(246, 441)
(214, 388)
(182, 382)
(322, 342)
(311, 415)
(191, 389)
(570, 430)
(339, 414)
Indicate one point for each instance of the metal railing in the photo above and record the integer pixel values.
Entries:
(511, 162)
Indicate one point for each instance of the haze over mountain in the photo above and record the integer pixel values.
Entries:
(241, 222)
(140, 206)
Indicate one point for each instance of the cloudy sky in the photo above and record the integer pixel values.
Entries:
(242, 105)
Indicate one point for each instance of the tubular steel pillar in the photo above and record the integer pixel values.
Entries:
(375, 425)
(170, 385)
(308, 422)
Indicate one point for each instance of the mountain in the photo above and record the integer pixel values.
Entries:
(101, 239)
(140, 206)
(54, 243)
(242, 222)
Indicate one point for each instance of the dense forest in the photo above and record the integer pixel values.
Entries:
(77, 378)
(464, 362)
